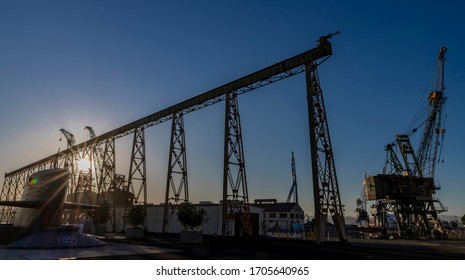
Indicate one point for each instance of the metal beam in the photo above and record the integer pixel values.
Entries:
(281, 70)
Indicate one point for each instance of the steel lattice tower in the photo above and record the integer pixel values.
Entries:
(137, 181)
(325, 186)
(177, 168)
(235, 193)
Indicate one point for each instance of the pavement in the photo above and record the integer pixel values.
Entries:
(167, 247)
(112, 250)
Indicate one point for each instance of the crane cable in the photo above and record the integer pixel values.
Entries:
(422, 109)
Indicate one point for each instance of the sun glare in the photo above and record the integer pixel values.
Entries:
(83, 164)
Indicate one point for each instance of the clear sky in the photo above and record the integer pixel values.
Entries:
(107, 63)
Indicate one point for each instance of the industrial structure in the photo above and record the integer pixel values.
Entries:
(405, 192)
(293, 193)
(104, 184)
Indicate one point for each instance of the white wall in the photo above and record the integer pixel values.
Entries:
(211, 227)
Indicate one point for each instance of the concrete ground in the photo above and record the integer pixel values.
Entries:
(110, 251)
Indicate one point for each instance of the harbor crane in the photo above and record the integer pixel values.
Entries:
(407, 188)
(423, 161)
(70, 141)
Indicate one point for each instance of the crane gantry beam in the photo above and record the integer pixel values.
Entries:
(235, 195)
(268, 75)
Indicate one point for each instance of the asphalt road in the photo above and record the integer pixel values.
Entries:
(217, 248)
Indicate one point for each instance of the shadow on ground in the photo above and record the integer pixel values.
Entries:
(230, 248)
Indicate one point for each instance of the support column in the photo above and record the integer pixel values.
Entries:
(235, 193)
(326, 195)
(13, 187)
(177, 168)
(85, 178)
(70, 164)
(105, 164)
(137, 180)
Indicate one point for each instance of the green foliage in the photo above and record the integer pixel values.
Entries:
(101, 214)
(191, 217)
(136, 215)
(463, 219)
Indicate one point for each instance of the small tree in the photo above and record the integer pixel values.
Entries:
(191, 217)
(463, 219)
(101, 214)
(136, 215)
(100, 218)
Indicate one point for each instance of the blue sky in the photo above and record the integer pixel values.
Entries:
(107, 63)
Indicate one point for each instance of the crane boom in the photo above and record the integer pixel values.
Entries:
(92, 134)
(428, 148)
(70, 141)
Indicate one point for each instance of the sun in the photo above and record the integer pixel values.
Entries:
(83, 164)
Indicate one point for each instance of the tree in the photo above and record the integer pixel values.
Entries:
(101, 214)
(191, 217)
(100, 218)
(136, 215)
(463, 219)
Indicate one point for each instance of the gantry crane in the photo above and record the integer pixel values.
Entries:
(406, 188)
(235, 191)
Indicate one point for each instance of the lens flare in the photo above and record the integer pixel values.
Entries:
(33, 181)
